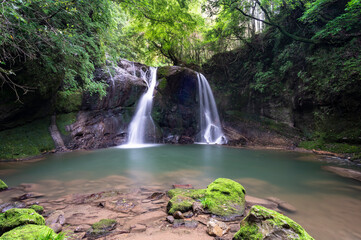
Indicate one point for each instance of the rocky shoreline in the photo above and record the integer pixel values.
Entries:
(139, 213)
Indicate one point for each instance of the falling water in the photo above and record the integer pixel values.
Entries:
(210, 125)
(142, 122)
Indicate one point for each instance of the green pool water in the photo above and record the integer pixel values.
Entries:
(328, 206)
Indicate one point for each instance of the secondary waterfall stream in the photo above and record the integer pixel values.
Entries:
(142, 122)
(209, 122)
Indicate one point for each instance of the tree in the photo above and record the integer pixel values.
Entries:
(332, 24)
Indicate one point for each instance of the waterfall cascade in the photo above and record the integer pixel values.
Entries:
(210, 124)
(142, 122)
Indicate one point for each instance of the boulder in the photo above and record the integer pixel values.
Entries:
(263, 223)
(179, 203)
(3, 185)
(30, 232)
(101, 228)
(217, 228)
(225, 197)
(56, 227)
(16, 217)
(37, 208)
(56, 217)
(175, 108)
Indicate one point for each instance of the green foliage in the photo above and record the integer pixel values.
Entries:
(68, 101)
(27, 140)
(64, 120)
(62, 37)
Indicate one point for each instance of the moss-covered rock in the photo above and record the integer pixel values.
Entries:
(37, 208)
(180, 203)
(262, 223)
(101, 228)
(225, 197)
(16, 217)
(3, 185)
(30, 232)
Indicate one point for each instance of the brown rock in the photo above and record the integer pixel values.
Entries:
(138, 228)
(217, 228)
(282, 205)
(56, 217)
(184, 186)
(344, 172)
(170, 219)
(56, 227)
(197, 208)
(259, 201)
(178, 215)
(82, 228)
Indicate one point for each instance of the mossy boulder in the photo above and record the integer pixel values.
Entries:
(37, 208)
(101, 228)
(225, 197)
(263, 223)
(180, 203)
(16, 217)
(30, 232)
(3, 185)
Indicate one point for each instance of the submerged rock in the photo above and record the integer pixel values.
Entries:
(3, 185)
(263, 223)
(16, 217)
(30, 232)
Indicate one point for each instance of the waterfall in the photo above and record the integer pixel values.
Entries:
(209, 122)
(142, 122)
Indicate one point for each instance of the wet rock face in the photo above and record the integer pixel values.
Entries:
(103, 122)
(263, 223)
(175, 107)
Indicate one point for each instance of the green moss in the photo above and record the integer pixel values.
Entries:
(102, 227)
(3, 185)
(260, 221)
(180, 203)
(31, 232)
(248, 232)
(37, 208)
(162, 83)
(192, 193)
(27, 140)
(342, 148)
(68, 101)
(163, 71)
(16, 217)
(63, 120)
(225, 197)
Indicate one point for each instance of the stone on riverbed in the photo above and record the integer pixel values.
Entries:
(101, 228)
(263, 223)
(223, 197)
(217, 228)
(16, 217)
(29, 232)
(3, 186)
